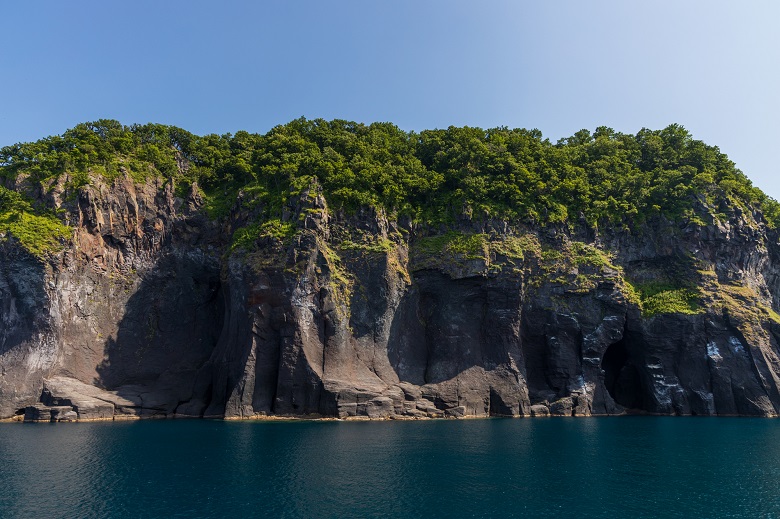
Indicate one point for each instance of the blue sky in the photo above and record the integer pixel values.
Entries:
(216, 67)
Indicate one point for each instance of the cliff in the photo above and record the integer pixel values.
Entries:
(149, 304)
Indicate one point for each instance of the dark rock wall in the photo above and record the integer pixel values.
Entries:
(148, 313)
(28, 349)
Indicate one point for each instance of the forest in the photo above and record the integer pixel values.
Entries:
(599, 178)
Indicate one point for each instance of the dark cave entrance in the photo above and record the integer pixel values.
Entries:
(622, 377)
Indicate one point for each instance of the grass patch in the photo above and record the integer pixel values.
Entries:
(40, 233)
(516, 247)
(631, 293)
(551, 255)
(245, 237)
(218, 202)
(451, 253)
(664, 298)
(467, 246)
(584, 254)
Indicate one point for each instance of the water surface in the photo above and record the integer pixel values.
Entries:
(565, 467)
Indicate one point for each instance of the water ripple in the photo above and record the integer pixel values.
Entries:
(583, 468)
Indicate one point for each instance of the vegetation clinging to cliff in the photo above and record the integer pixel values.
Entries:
(37, 230)
(432, 176)
(662, 298)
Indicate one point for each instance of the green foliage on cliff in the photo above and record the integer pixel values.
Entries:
(584, 254)
(375, 245)
(466, 246)
(434, 176)
(103, 147)
(516, 247)
(664, 298)
(245, 237)
(37, 231)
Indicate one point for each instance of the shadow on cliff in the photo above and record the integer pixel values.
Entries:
(23, 298)
(444, 328)
(169, 329)
(24, 318)
(623, 374)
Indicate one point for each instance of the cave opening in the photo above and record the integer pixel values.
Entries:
(622, 378)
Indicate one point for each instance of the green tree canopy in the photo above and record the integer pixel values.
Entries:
(603, 177)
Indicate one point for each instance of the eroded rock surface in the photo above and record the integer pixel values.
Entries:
(148, 312)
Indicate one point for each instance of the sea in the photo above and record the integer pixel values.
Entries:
(619, 467)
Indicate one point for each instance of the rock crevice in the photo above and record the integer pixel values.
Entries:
(150, 311)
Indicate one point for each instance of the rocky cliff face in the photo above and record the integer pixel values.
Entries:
(149, 311)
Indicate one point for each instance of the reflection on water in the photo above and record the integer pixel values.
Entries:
(610, 467)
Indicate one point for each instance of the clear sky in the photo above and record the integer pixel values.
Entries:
(557, 65)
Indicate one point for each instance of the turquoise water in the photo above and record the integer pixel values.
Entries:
(591, 467)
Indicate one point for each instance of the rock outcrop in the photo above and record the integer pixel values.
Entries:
(149, 311)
